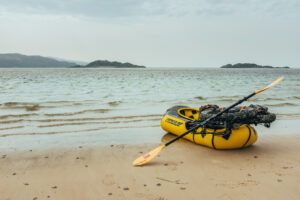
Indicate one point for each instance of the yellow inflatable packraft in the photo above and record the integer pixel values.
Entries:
(176, 121)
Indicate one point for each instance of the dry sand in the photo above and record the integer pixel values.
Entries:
(267, 170)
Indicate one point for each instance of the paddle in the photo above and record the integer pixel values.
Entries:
(149, 156)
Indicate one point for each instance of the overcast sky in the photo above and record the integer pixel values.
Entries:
(155, 33)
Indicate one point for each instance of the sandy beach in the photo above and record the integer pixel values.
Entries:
(267, 170)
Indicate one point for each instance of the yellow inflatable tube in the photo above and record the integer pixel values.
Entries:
(175, 122)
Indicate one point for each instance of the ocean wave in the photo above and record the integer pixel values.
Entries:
(17, 116)
(225, 100)
(48, 104)
(114, 119)
(98, 118)
(67, 124)
(114, 103)
(32, 108)
(13, 127)
(235, 98)
(24, 106)
(272, 99)
(13, 104)
(226, 97)
(57, 102)
(288, 116)
(75, 131)
(65, 102)
(90, 123)
(294, 97)
(281, 104)
(200, 98)
(11, 121)
(133, 116)
(78, 113)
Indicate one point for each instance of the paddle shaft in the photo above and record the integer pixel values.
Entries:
(212, 117)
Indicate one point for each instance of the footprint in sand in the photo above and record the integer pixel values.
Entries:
(110, 194)
(14, 174)
(54, 187)
(182, 188)
(158, 184)
(26, 184)
(35, 198)
(286, 167)
(126, 188)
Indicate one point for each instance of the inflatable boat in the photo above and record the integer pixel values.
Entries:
(179, 119)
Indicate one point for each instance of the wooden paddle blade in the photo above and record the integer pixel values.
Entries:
(147, 157)
(271, 85)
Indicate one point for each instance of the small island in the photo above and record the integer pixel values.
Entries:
(249, 65)
(108, 64)
(16, 60)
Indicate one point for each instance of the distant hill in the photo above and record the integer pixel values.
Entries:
(248, 65)
(18, 60)
(108, 64)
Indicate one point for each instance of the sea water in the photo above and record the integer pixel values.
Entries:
(54, 107)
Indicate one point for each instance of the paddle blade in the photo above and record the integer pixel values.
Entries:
(271, 85)
(147, 157)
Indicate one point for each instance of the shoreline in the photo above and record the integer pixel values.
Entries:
(182, 171)
(121, 134)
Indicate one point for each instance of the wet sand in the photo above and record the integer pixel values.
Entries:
(268, 170)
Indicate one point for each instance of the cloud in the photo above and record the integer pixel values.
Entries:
(133, 8)
(88, 8)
